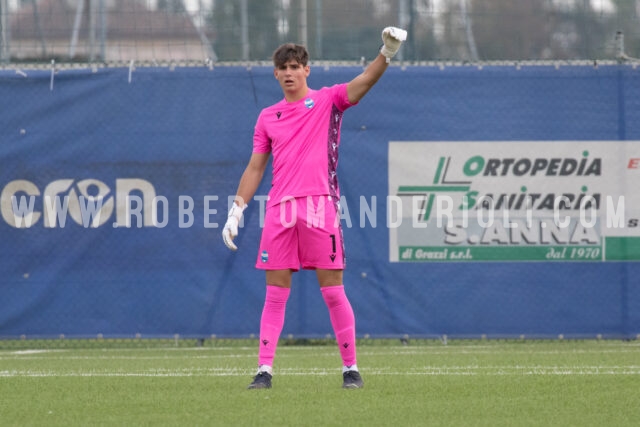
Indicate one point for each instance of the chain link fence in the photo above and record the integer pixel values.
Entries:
(161, 31)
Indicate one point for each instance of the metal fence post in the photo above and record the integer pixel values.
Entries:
(5, 52)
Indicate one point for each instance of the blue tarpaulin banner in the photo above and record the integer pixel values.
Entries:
(115, 187)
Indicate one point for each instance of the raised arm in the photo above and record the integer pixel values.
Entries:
(358, 87)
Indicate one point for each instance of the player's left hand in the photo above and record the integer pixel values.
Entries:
(392, 37)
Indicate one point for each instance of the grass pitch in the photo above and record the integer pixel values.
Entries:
(463, 383)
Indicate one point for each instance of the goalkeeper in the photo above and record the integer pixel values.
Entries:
(302, 225)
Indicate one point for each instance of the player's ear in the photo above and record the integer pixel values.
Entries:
(307, 70)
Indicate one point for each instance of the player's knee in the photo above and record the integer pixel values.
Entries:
(329, 277)
(281, 278)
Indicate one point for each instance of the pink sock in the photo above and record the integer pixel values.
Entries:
(343, 322)
(275, 304)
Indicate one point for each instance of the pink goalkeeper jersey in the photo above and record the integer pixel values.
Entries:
(303, 138)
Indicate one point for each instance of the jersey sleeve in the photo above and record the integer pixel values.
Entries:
(261, 141)
(341, 97)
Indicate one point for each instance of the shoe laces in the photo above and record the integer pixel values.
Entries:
(352, 374)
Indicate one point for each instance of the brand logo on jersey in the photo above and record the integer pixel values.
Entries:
(278, 114)
(309, 103)
(264, 256)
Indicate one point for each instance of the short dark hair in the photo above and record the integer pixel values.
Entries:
(289, 51)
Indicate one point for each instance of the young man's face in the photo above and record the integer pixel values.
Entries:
(292, 77)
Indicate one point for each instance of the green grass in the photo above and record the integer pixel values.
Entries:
(464, 383)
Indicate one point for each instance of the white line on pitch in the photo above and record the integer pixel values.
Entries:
(426, 371)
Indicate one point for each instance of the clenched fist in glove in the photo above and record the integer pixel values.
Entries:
(230, 229)
(392, 38)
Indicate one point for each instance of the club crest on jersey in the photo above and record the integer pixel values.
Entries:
(309, 103)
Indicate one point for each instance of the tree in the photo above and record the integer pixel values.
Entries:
(262, 29)
(513, 29)
(530, 30)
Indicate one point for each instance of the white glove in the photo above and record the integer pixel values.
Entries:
(230, 229)
(392, 38)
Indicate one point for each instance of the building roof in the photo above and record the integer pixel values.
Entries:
(124, 19)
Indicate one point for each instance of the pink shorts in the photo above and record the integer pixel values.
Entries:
(304, 231)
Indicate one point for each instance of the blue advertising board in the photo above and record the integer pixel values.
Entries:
(115, 189)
